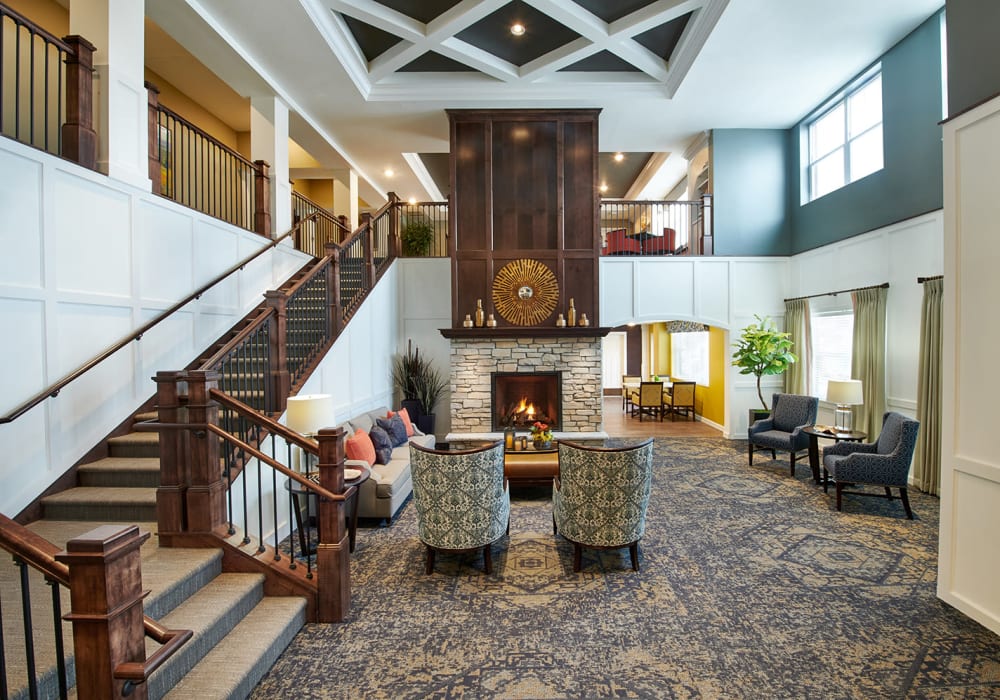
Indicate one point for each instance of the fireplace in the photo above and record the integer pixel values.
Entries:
(521, 398)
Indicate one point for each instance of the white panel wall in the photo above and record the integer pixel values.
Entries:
(86, 260)
(969, 559)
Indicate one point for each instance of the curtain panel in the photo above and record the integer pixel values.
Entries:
(868, 357)
(797, 325)
(927, 457)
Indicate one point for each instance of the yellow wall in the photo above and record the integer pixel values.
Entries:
(713, 396)
(47, 14)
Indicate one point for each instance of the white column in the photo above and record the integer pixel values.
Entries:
(345, 196)
(116, 29)
(269, 142)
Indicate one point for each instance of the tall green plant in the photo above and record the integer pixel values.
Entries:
(415, 378)
(762, 349)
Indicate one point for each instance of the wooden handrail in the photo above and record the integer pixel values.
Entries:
(35, 29)
(54, 389)
(238, 338)
(134, 672)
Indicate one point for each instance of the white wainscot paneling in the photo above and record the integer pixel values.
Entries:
(92, 226)
(22, 352)
(976, 524)
(816, 272)
(163, 252)
(210, 325)
(759, 287)
(168, 345)
(617, 292)
(20, 224)
(916, 249)
(84, 331)
(425, 288)
(862, 261)
(666, 290)
(25, 469)
(257, 275)
(713, 293)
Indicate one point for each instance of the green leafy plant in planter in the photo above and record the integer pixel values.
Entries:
(762, 349)
(417, 236)
(418, 381)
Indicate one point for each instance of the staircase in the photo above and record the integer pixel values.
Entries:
(238, 632)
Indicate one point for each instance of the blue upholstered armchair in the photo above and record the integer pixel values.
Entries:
(461, 498)
(600, 497)
(782, 430)
(885, 462)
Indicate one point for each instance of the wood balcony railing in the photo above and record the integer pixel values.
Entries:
(46, 89)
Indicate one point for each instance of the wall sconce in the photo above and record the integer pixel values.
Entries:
(845, 393)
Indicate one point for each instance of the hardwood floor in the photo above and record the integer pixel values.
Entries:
(617, 423)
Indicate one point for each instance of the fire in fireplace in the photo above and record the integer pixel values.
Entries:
(521, 398)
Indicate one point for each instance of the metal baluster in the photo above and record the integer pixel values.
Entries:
(29, 637)
(58, 630)
(3, 644)
(274, 497)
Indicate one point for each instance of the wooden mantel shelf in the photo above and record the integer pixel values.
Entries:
(526, 332)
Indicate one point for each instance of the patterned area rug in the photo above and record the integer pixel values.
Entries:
(752, 586)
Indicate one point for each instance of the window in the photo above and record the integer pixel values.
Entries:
(689, 356)
(844, 142)
(831, 348)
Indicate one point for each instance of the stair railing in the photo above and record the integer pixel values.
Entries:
(53, 390)
(46, 89)
(215, 485)
(321, 227)
(102, 571)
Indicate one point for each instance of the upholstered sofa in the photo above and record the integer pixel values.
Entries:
(390, 484)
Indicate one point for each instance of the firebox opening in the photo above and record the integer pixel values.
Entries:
(522, 398)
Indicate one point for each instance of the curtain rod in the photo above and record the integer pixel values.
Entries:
(884, 285)
(921, 280)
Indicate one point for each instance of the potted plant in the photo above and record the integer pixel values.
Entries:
(417, 236)
(762, 349)
(420, 384)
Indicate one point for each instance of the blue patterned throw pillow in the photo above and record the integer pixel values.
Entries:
(396, 429)
(383, 444)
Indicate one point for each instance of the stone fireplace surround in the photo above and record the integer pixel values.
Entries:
(578, 358)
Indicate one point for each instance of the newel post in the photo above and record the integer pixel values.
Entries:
(395, 244)
(79, 140)
(369, 246)
(106, 601)
(153, 137)
(280, 380)
(174, 472)
(262, 198)
(333, 563)
(206, 492)
(333, 284)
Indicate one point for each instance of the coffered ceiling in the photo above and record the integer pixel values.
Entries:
(367, 82)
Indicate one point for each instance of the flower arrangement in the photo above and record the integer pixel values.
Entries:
(540, 432)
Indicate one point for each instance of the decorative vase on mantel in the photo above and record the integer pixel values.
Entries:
(542, 444)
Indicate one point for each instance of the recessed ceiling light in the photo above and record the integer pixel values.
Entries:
(388, 172)
(604, 187)
(517, 29)
(619, 157)
(412, 200)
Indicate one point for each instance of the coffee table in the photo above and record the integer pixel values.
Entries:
(296, 489)
(816, 432)
(531, 467)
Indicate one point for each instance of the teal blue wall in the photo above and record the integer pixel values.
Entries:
(911, 183)
(757, 173)
(749, 180)
(973, 58)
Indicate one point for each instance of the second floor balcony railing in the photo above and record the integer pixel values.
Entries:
(656, 227)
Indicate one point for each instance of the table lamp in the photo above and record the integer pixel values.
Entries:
(845, 393)
(307, 414)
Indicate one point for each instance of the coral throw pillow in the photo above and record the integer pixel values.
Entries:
(405, 415)
(360, 446)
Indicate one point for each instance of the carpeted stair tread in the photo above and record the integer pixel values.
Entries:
(121, 471)
(111, 504)
(138, 444)
(211, 614)
(146, 416)
(236, 665)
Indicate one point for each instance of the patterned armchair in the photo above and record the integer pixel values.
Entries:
(885, 462)
(462, 499)
(599, 498)
(782, 430)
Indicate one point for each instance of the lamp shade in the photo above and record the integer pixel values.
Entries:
(307, 413)
(844, 392)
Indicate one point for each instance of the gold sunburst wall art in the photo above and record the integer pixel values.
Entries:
(525, 292)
